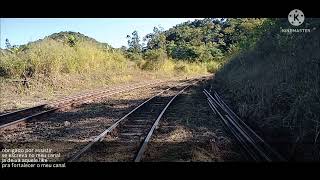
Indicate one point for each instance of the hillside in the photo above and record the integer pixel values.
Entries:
(203, 40)
(67, 62)
(275, 87)
(69, 36)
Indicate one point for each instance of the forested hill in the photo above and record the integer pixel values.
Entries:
(66, 37)
(200, 40)
(73, 38)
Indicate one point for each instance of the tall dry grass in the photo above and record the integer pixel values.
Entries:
(275, 86)
(52, 58)
(53, 67)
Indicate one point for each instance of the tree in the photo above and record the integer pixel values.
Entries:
(209, 39)
(134, 43)
(123, 48)
(8, 45)
(71, 40)
(156, 40)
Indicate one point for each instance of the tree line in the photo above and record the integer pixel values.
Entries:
(204, 40)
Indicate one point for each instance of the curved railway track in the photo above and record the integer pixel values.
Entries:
(130, 135)
(257, 149)
(20, 116)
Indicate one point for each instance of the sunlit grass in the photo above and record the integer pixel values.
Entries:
(55, 69)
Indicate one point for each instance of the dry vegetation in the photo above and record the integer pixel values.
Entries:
(54, 69)
(275, 87)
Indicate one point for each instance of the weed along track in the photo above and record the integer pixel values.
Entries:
(255, 147)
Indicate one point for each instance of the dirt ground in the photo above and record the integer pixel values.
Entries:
(189, 131)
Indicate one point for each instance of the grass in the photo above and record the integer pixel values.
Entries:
(54, 69)
(52, 58)
(170, 66)
(275, 85)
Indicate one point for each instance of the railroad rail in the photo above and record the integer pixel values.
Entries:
(138, 125)
(254, 145)
(16, 117)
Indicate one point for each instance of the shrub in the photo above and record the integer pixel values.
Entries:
(213, 66)
(134, 56)
(155, 55)
(50, 58)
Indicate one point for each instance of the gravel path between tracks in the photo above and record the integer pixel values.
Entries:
(118, 148)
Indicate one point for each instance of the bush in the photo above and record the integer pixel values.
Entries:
(213, 66)
(190, 68)
(12, 65)
(155, 55)
(134, 56)
(51, 58)
(183, 52)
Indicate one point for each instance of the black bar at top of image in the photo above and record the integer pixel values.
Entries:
(159, 9)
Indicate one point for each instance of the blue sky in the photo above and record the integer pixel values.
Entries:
(111, 30)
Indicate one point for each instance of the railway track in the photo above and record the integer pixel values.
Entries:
(256, 148)
(130, 135)
(14, 118)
